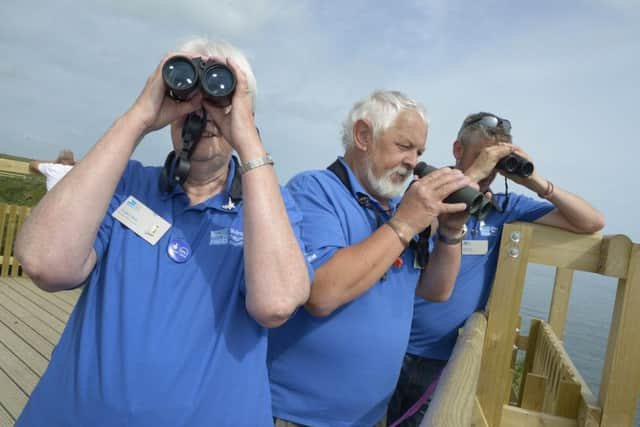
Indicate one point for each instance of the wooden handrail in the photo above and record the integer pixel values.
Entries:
(452, 405)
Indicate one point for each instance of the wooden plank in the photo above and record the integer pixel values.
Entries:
(13, 399)
(517, 417)
(615, 255)
(560, 300)
(621, 374)
(30, 357)
(552, 246)
(568, 400)
(453, 402)
(503, 309)
(47, 305)
(15, 166)
(20, 328)
(23, 212)
(477, 418)
(8, 240)
(70, 296)
(19, 373)
(6, 420)
(55, 324)
(42, 328)
(527, 367)
(533, 393)
(32, 289)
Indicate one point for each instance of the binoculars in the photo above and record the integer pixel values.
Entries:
(516, 165)
(477, 204)
(184, 77)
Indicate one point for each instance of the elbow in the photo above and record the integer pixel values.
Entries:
(273, 312)
(439, 297)
(48, 276)
(597, 224)
(319, 309)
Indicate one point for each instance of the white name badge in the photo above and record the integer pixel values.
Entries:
(141, 220)
(475, 247)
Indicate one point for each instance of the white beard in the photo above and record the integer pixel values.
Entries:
(385, 186)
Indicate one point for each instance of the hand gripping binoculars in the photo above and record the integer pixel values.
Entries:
(477, 204)
(184, 77)
(516, 165)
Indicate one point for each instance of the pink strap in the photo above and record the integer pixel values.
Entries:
(416, 406)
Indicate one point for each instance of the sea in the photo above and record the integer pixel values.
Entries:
(588, 320)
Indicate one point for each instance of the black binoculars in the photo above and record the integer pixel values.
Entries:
(477, 204)
(185, 76)
(516, 165)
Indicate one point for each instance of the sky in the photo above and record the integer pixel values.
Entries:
(564, 73)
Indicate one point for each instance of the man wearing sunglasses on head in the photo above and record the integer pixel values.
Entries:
(483, 141)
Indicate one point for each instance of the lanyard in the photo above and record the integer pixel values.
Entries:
(420, 246)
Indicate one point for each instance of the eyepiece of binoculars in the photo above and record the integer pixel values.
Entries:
(184, 77)
(516, 165)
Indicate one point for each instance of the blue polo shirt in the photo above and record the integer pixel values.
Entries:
(341, 370)
(153, 342)
(435, 324)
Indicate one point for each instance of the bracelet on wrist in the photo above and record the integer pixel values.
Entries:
(548, 191)
(454, 240)
(255, 163)
(396, 229)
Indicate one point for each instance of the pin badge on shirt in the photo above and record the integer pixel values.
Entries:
(179, 250)
(230, 205)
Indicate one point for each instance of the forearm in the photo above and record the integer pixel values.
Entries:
(439, 276)
(276, 274)
(353, 270)
(57, 239)
(572, 212)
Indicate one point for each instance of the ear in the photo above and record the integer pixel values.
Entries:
(362, 135)
(458, 149)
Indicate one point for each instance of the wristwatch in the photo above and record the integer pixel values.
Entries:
(455, 239)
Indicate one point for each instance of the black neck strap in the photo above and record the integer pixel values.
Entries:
(420, 246)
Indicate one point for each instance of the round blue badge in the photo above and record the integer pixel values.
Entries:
(179, 250)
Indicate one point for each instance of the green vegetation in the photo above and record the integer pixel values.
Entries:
(23, 190)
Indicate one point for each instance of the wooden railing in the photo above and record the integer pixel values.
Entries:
(454, 399)
(11, 219)
(552, 392)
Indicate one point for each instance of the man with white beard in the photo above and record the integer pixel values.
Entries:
(336, 362)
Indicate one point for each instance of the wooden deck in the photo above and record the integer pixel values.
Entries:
(31, 322)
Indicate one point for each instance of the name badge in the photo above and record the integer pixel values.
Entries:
(141, 220)
(475, 247)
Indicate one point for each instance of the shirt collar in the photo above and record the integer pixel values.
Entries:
(228, 200)
(358, 190)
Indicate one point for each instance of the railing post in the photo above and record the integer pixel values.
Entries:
(621, 374)
(503, 311)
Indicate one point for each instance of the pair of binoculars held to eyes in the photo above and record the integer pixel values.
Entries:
(516, 165)
(184, 77)
(477, 203)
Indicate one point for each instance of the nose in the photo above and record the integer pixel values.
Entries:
(411, 159)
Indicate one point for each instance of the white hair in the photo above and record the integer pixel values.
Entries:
(205, 47)
(380, 109)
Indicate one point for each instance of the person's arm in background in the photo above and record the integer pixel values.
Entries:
(55, 244)
(34, 165)
(571, 211)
